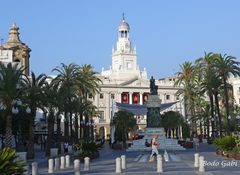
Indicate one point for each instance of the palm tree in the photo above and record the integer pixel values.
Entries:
(206, 68)
(226, 65)
(50, 96)
(186, 80)
(33, 95)
(11, 76)
(87, 83)
(66, 80)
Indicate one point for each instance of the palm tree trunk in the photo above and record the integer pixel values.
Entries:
(30, 145)
(212, 116)
(8, 134)
(218, 112)
(71, 128)
(66, 127)
(50, 133)
(59, 133)
(81, 126)
(76, 128)
(226, 103)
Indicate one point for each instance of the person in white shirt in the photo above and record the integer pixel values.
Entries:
(154, 149)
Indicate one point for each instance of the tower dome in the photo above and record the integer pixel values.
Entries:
(123, 26)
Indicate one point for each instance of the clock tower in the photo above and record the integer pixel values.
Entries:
(124, 57)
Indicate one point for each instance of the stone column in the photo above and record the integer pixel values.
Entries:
(50, 166)
(130, 97)
(196, 158)
(57, 164)
(34, 168)
(118, 165)
(76, 167)
(141, 98)
(62, 162)
(201, 164)
(67, 157)
(159, 164)
(86, 164)
(123, 162)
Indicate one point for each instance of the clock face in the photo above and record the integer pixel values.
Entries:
(127, 45)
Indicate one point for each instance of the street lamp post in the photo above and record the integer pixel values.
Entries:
(236, 123)
(228, 121)
(213, 128)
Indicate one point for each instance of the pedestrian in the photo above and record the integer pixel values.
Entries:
(154, 149)
(65, 146)
(196, 143)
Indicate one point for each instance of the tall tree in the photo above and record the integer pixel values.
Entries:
(11, 76)
(206, 68)
(226, 65)
(66, 80)
(186, 80)
(124, 122)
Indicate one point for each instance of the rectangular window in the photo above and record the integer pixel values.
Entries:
(101, 115)
(90, 96)
(101, 96)
(112, 96)
(167, 97)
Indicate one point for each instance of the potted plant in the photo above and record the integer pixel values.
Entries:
(225, 144)
(231, 154)
(86, 148)
(218, 144)
(236, 150)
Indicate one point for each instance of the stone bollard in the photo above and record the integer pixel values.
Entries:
(123, 161)
(62, 166)
(166, 157)
(86, 164)
(76, 167)
(196, 160)
(50, 166)
(67, 161)
(118, 165)
(57, 164)
(34, 168)
(201, 164)
(159, 164)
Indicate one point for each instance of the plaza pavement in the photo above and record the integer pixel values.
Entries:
(180, 163)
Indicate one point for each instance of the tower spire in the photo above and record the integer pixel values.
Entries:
(123, 15)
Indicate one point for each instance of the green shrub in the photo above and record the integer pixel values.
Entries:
(86, 148)
(9, 163)
(225, 143)
(236, 150)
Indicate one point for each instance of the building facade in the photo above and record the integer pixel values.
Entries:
(125, 83)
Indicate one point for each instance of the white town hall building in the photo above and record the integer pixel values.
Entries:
(125, 86)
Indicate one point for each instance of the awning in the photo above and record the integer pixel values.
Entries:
(141, 109)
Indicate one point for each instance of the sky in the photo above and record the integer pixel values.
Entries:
(165, 33)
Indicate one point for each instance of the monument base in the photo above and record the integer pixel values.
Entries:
(154, 132)
(163, 142)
